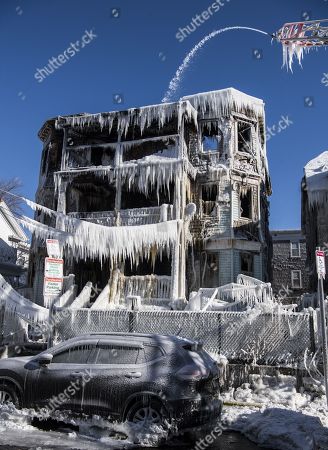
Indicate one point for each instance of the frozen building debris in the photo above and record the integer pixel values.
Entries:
(14, 248)
(315, 211)
(290, 279)
(158, 201)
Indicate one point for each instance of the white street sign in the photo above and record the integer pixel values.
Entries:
(53, 248)
(52, 286)
(321, 264)
(53, 268)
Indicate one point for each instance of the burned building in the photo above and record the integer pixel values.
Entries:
(315, 212)
(201, 160)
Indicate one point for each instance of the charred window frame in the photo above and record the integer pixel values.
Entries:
(244, 136)
(209, 269)
(211, 137)
(96, 156)
(209, 195)
(246, 203)
(247, 263)
(44, 160)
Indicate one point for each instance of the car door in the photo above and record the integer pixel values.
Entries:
(61, 384)
(118, 370)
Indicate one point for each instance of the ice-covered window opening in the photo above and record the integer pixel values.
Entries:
(211, 137)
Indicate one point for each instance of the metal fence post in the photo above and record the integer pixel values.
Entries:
(312, 333)
(2, 321)
(219, 333)
(51, 320)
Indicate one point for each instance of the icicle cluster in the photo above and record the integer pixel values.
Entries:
(289, 51)
(145, 173)
(316, 176)
(90, 240)
(17, 304)
(224, 102)
(142, 117)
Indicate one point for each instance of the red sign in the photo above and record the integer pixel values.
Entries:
(321, 263)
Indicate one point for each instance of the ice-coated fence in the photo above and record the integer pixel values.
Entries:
(253, 336)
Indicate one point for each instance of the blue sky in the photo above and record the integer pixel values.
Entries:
(136, 54)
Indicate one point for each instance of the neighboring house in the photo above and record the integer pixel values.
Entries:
(144, 166)
(14, 248)
(315, 212)
(290, 279)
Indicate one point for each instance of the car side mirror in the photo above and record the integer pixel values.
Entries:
(44, 359)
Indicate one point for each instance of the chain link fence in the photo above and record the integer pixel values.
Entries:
(247, 337)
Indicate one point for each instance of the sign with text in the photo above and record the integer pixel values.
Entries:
(53, 248)
(52, 286)
(53, 268)
(321, 263)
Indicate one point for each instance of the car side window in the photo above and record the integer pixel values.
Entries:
(113, 354)
(152, 352)
(78, 354)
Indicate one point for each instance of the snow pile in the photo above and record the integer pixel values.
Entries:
(17, 431)
(276, 416)
(316, 175)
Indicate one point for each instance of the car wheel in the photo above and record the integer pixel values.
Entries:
(8, 395)
(145, 414)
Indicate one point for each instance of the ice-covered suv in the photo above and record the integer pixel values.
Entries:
(141, 378)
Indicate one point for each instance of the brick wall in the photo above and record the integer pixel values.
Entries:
(282, 265)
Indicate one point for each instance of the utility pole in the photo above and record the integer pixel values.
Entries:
(321, 270)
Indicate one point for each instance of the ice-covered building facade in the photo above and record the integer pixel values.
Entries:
(199, 164)
(315, 212)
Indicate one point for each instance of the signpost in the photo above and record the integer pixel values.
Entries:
(53, 279)
(321, 270)
(53, 248)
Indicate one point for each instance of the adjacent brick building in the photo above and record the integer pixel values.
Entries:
(290, 279)
(315, 212)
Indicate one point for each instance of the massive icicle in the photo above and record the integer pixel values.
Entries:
(90, 240)
(150, 171)
(142, 117)
(17, 304)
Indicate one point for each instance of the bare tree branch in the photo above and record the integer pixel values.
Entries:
(12, 185)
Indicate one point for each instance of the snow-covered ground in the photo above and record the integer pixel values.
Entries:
(274, 415)
(268, 411)
(17, 431)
